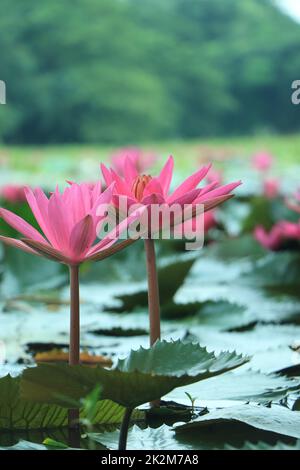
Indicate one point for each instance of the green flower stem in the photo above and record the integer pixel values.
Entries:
(153, 292)
(153, 298)
(74, 350)
(124, 429)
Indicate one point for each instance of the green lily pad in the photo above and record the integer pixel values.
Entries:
(145, 375)
(277, 419)
(243, 386)
(265, 446)
(16, 414)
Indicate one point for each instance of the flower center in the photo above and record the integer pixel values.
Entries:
(139, 185)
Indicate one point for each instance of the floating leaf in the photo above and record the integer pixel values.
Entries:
(246, 386)
(145, 375)
(265, 446)
(162, 438)
(57, 355)
(276, 419)
(25, 445)
(15, 413)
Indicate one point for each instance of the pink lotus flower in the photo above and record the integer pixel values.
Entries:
(279, 233)
(270, 240)
(271, 187)
(291, 230)
(141, 160)
(262, 161)
(213, 176)
(68, 223)
(13, 193)
(147, 190)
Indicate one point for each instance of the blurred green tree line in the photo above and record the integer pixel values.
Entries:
(120, 71)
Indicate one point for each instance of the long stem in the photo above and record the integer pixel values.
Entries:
(153, 292)
(153, 298)
(124, 429)
(74, 349)
(74, 352)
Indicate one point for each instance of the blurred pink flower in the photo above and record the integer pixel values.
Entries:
(291, 230)
(271, 187)
(271, 240)
(294, 203)
(279, 233)
(68, 222)
(13, 193)
(262, 161)
(141, 160)
(214, 175)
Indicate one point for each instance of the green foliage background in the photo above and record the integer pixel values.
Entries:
(115, 71)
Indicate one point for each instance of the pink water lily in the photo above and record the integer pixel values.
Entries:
(147, 190)
(13, 193)
(68, 223)
(142, 161)
(271, 187)
(280, 233)
(271, 240)
(262, 161)
(291, 230)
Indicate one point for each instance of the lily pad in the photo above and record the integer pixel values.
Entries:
(265, 446)
(276, 419)
(145, 375)
(241, 386)
(16, 414)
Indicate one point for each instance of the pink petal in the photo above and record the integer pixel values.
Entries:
(189, 184)
(82, 237)
(46, 251)
(38, 203)
(59, 223)
(21, 225)
(121, 186)
(154, 186)
(117, 232)
(118, 201)
(18, 244)
(96, 192)
(216, 201)
(221, 191)
(166, 174)
(106, 174)
(209, 187)
(154, 198)
(106, 253)
(187, 198)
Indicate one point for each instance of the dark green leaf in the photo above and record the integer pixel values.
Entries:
(15, 413)
(143, 376)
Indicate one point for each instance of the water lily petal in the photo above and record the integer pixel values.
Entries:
(21, 225)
